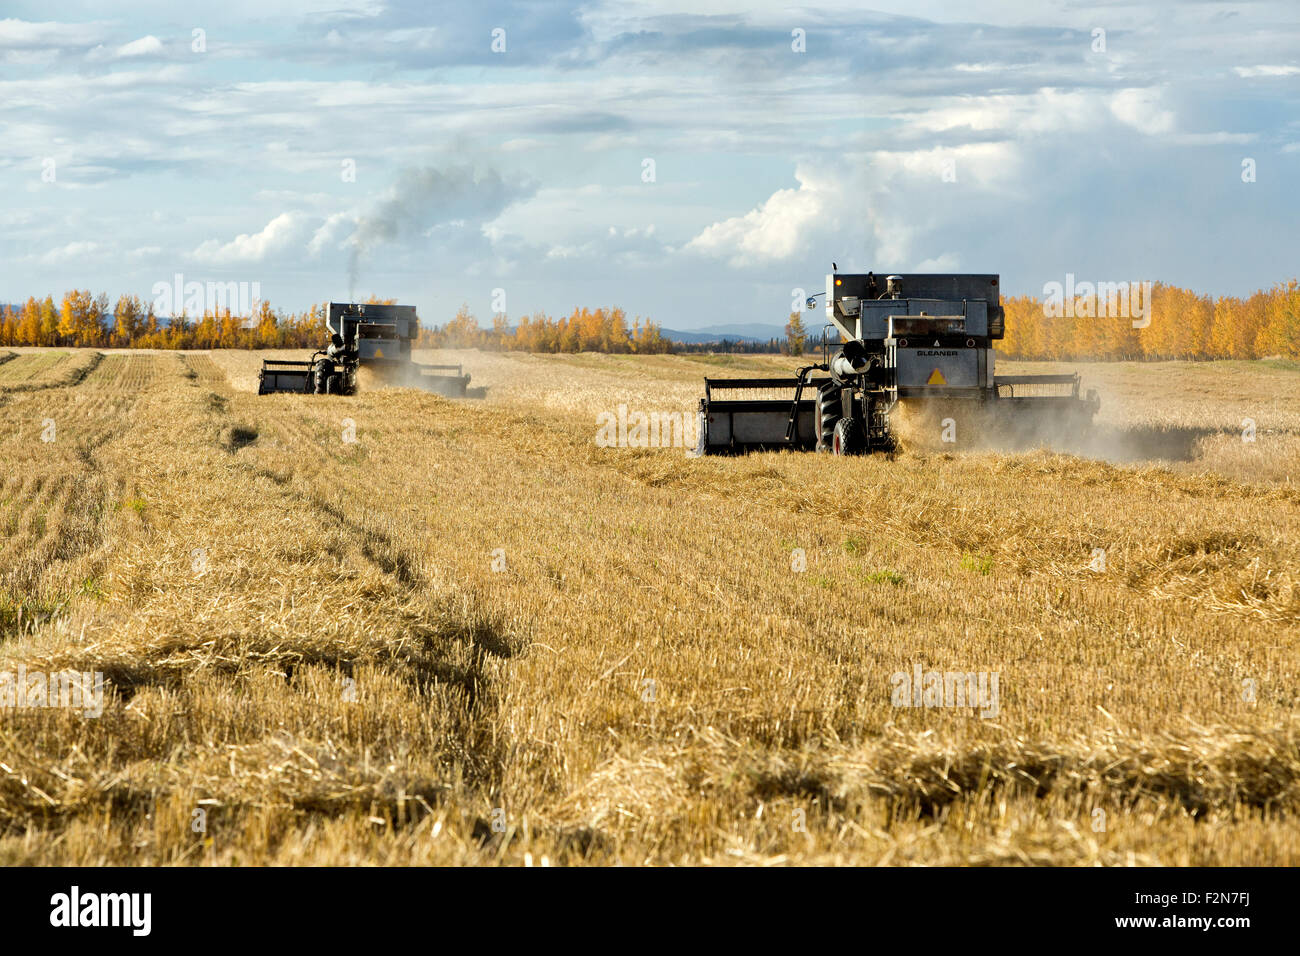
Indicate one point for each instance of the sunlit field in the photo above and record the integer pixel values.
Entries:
(398, 628)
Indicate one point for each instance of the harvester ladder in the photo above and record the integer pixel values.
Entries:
(792, 424)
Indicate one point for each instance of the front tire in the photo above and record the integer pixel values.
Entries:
(828, 414)
(848, 438)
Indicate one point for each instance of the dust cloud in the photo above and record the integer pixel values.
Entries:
(371, 378)
(937, 425)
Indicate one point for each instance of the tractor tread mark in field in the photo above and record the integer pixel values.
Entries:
(203, 369)
(64, 370)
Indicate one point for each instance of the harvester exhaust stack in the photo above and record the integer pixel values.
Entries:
(905, 338)
(378, 337)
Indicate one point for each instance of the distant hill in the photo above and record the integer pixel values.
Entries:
(750, 332)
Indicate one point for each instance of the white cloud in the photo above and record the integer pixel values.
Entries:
(987, 165)
(1043, 111)
(279, 235)
(145, 46)
(332, 233)
(881, 204)
(25, 33)
(1140, 108)
(1213, 139)
(1250, 71)
(72, 252)
(948, 262)
(773, 231)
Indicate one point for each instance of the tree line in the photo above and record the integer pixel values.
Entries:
(1178, 324)
(82, 319)
(583, 330)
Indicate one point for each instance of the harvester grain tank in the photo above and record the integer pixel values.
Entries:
(362, 335)
(905, 338)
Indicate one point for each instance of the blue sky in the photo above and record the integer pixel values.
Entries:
(913, 136)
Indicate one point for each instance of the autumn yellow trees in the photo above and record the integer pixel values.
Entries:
(82, 319)
(1182, 325)
(1280, 333)
(584, 330)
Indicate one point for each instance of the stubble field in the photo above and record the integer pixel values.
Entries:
(473, 636)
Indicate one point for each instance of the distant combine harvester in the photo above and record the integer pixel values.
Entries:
(362, 335)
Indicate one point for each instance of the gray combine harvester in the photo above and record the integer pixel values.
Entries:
(905, 338)
(378, 337)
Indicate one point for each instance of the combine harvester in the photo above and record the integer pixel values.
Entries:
(924, 339)
(376, 337)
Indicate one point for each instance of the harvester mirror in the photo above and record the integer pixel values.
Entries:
(810, 304)
(336, 340)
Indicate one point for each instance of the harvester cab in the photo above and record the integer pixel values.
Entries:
(362, 335)
(902, 338)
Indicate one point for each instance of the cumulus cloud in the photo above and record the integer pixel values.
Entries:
(773, 231)
(332, 234)
(1141, 109)
(884, 206)
(283, 233)
(145, 46)
(73, 252)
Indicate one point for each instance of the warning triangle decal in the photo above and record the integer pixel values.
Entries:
(936, 378)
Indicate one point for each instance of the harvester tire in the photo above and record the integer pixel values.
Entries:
(828, 414)
(849, 438)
